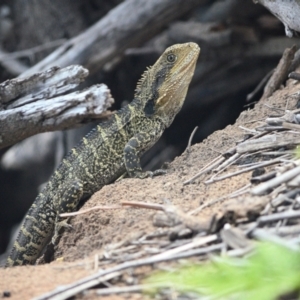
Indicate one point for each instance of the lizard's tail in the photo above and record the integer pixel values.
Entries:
(34, 234)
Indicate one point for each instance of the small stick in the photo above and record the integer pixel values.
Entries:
(286, 230)
(62, 293)
(212, 164)
(84, 211)
(197, 242)
(236, 193)
(93, 280)
(289, 196)
(288, 125)
(269, 128)
(126, 289)
(143, 205)
(267, 163)
(262, 178)
(266, 186)
(281, 72)
(264, 235)
(255, 120)
(260, 85)
(217, 161)
(190, 140)
(226, 164)
(273, 108)
(268, 153)
(290, 214)
(248, 129)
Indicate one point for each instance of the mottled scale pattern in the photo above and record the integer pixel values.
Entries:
(110, 150)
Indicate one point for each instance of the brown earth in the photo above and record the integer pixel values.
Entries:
(95, 232)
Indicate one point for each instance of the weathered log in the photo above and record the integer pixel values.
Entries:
(34, 104)
(286, 11)
(115, 32)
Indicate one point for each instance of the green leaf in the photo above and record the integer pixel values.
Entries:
(272, 270)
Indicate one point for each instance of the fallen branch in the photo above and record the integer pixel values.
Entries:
(115, 32)
(269, 142)
(34, 104)
(281, 72)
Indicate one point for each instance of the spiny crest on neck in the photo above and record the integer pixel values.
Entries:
(139, 84)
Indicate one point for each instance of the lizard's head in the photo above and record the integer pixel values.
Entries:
(163, 87)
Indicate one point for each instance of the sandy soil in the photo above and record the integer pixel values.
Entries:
(93, 232)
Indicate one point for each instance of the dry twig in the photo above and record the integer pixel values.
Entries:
(281, 72)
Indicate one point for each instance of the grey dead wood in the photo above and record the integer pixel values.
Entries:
(266, 236)
(115, 32)
(237, 193)
(294, 75)
(35, 104)
(290, 116)
(269, 141)
(234, 237)
(265, 187)
(207, 168)
(175, 216)
(259, 165)
(290, 214)
(173, 254)
(289, 196)
(264, 177)
(286, 11)
(13, 66)
(286, 230)
(296, 61)
(245, 207)
(281, 72)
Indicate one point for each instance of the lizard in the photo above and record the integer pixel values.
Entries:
(113, 148)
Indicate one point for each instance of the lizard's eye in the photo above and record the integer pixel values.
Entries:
(171, 58)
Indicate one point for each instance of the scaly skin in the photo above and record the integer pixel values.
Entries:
(110, 150)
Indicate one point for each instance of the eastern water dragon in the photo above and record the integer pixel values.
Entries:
(110, 150)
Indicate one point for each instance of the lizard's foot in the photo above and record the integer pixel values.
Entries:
(59, 225)
(149, 173)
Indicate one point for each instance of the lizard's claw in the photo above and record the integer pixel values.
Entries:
(159, 172)
(63, 224)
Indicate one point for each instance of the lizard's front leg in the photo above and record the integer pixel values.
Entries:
(132, 152)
